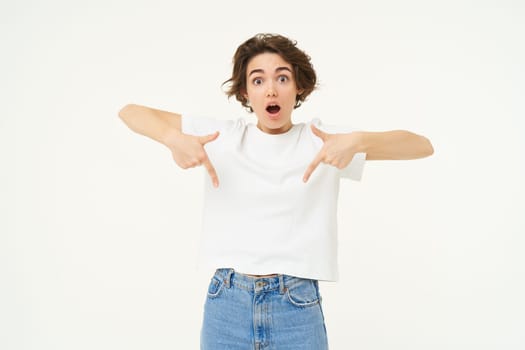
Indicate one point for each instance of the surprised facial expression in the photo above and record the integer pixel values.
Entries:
(271, 92)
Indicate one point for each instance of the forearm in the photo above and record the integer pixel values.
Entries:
(396, 144)
(153, 123)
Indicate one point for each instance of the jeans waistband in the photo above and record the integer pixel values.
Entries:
(257, 284)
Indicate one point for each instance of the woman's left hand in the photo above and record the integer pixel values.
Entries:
(338, 150)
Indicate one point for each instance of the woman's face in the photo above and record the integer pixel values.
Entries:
(271, 92)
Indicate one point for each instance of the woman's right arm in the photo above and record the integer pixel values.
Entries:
(165, 127)
(153, 123)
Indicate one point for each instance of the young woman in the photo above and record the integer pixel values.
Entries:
(269, 221)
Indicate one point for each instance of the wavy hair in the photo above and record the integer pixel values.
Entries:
(304, 73)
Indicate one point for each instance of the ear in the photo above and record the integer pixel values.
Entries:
(300, 92)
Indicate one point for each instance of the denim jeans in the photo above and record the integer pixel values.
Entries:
(278, 312)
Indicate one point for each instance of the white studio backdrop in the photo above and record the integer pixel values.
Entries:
(99, 228)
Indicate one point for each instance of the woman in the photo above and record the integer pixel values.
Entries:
(269, 221)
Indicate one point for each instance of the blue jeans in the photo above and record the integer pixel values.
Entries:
(278, 312)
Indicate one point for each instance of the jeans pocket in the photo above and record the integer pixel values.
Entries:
(303, 294)
(215, 287)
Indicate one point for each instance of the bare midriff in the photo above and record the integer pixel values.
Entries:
(270, 275)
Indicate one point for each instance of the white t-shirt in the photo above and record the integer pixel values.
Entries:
(263, 218)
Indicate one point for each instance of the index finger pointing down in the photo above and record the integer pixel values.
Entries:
(211, 171)
(313, 165)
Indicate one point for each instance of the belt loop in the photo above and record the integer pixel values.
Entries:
(282, 289)
(227, 279)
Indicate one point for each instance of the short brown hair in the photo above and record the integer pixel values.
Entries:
(304, 73)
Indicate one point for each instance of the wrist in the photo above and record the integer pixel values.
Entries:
(362, 141)
(170, 137)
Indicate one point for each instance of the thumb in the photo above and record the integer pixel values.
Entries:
(317, 132)
(207, 138)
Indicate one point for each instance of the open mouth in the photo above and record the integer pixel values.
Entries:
(273, 109)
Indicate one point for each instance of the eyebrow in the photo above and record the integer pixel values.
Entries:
(278, 69)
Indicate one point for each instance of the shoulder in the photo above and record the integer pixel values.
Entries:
(201, 125)
(331, 128)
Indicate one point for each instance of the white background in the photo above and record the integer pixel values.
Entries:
(100, 228)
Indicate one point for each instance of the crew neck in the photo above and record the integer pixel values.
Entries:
(283, 134)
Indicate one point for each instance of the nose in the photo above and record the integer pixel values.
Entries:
(270, 92)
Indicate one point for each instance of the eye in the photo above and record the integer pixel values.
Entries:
(282, 79)
(257, 81)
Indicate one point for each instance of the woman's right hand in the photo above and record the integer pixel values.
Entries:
(165, 127)
(188, 151)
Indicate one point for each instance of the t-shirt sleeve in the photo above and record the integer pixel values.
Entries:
(200, 126)
(354, 170)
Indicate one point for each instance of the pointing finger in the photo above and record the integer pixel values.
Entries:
(313, 165)
(211, 171)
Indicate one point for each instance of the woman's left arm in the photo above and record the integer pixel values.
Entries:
(395, 144)
(339, 149)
